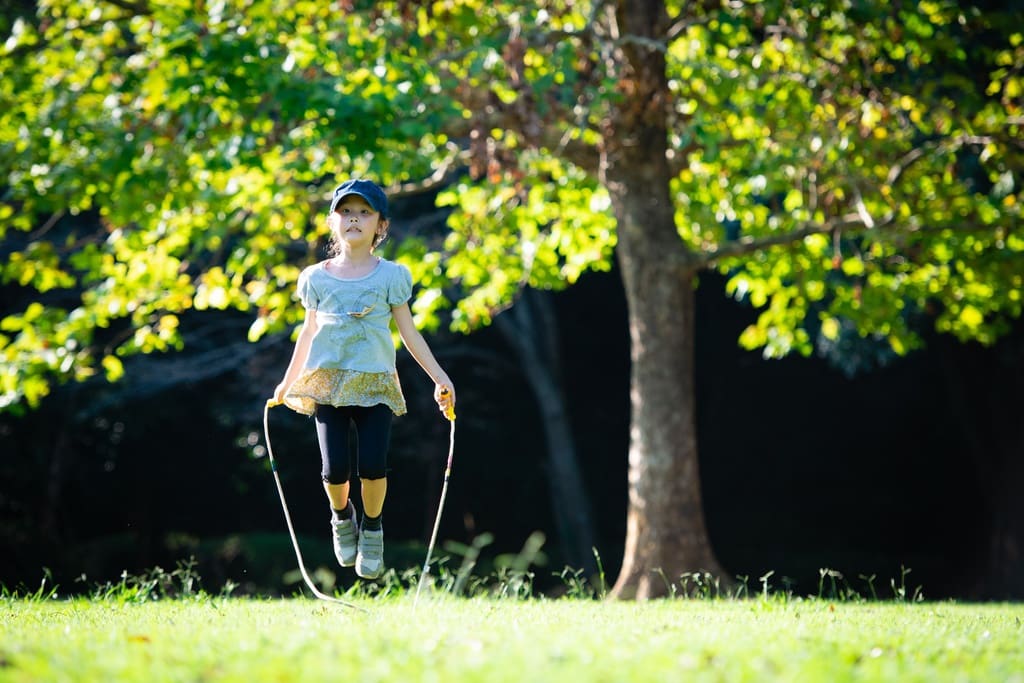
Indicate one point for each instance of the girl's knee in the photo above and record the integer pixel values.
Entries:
(372, 473)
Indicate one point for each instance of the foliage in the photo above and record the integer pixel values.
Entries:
(854, 167)
(887, 139)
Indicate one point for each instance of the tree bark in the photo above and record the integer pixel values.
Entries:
(666, 536)
(1003, 578)
(982, 391)
(530, 329)
(49, 515)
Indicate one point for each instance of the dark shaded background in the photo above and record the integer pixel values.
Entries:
(804, 467)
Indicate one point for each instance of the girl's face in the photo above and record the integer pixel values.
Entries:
(355, 222)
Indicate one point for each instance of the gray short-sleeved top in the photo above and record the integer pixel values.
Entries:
(354, 316)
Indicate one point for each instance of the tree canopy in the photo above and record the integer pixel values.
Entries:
(853, 168)
(850, 166)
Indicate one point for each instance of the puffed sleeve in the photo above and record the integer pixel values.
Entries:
(400, 287)
(305, 291)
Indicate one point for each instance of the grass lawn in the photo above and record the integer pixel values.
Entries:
(206, 638)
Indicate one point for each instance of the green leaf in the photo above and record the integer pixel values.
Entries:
(113, 368)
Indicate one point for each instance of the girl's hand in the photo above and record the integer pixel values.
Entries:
(444, 394)
(279, 393)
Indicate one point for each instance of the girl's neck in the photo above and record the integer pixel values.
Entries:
(354, 259)
(352, 265)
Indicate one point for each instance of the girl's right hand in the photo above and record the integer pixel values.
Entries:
(444, 394)
(279, 393)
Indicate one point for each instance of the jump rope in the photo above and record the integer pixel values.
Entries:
(448, 413)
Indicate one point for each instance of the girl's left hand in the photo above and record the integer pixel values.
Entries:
(444, 394)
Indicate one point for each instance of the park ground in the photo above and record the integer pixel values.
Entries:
(124, 636)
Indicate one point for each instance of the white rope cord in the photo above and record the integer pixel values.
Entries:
(450, 414)
(287, 516)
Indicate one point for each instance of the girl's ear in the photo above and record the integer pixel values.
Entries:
(382, 232)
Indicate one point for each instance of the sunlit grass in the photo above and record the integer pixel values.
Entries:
(119, 634)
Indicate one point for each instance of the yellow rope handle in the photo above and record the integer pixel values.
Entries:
(449, 411)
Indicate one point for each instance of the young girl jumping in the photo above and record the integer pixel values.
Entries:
(342, 371)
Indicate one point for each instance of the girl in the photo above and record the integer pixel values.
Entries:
(342, 371)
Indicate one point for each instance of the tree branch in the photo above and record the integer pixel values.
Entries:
(141, 7)
(442, 175)
(47, 226)
(749, 245)
(43, 44)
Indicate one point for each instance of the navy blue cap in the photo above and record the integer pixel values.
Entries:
(366, 189)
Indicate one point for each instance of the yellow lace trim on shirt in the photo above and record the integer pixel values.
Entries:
(345, 388)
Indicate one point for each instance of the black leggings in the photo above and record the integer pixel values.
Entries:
(373, 434)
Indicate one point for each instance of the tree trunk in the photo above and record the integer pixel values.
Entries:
(666, 536)
(64, 415)
(1004, 575)
(982, 391)
(49, 516)
(530, 328)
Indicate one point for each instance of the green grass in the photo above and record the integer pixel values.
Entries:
(117, 637)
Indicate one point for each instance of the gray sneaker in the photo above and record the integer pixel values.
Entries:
(346, 538)
(370, 559)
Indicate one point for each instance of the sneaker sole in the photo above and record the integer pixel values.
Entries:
(367, 575)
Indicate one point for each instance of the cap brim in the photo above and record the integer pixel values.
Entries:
(337, 200)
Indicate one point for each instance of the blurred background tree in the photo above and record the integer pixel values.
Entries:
(852, 170)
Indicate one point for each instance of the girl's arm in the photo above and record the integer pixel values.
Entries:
(419, 349)
(299, 355)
